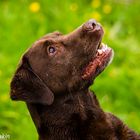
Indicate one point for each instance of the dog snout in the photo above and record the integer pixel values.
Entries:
(92, 25)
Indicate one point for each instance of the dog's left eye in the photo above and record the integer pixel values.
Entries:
(51, 50)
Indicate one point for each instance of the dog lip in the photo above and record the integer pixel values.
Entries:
(98, 63)
(99, 45)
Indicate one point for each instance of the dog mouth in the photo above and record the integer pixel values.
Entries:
(103, 57)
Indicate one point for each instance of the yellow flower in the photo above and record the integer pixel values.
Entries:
(96, 3)
(107, 9)
(34, 7)
(96, 16)
(73, 7)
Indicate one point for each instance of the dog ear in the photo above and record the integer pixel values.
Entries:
(27, 86)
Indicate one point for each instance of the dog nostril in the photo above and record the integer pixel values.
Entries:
(93, 25)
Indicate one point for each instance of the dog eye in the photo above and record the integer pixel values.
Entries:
(51, 50)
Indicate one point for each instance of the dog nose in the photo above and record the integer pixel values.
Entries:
(91, 25)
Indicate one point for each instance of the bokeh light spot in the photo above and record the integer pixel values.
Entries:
(34, 7)
(96, 15)
(96, 3)
(73, 7)
(107, 9)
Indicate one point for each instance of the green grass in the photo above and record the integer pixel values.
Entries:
(22, 22)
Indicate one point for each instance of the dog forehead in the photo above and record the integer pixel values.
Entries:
(49, 38)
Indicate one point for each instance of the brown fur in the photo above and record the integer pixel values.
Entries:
(57, 97)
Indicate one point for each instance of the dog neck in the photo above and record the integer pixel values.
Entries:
(75, 108)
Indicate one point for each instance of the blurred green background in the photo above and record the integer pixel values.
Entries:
(24, 21)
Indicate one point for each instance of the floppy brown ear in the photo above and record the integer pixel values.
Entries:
(27, 86)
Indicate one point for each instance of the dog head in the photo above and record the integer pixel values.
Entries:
(57, 63)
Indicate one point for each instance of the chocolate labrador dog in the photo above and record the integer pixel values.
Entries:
(53, 78)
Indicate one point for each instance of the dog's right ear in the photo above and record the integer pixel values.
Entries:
(27, 86)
